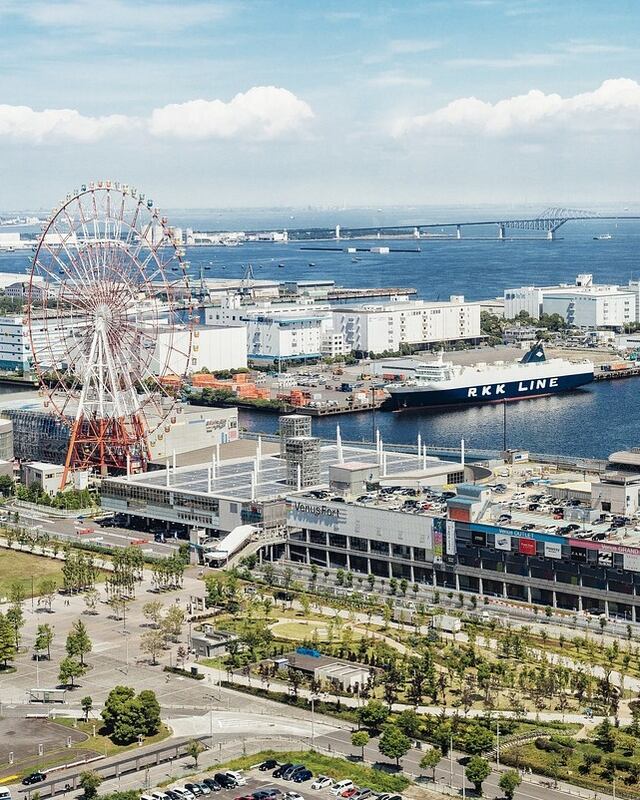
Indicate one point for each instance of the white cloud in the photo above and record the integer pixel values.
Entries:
(615, 105)
(24, 124)
(117, 15)
(263, 112)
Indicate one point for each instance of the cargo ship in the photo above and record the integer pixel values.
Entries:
(442, 383)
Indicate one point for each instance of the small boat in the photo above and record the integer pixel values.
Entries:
(312, 263)
(602, 237)
(355, 260)
(280, 266)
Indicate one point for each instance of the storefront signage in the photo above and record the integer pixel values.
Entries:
(451, 537)
(631, 561)
(479, 538)
(438, 550)
(552, 550)
(503, 542)
(527, 547)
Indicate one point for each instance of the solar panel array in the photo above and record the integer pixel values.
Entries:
(234, 479)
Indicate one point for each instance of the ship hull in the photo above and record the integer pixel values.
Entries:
(415, 397)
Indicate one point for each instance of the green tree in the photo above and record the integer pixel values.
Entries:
(47, 589)
(90, 783)
(115, 702)
(78, 641)
(69, 670)
(152, 643)
(509, 782)
(430, 760)
(152, 611)
(16, 591)
(172, 622)
(151, 711)
(44, 640)
(478, 769)
(15, 618)
(393, 743)
(604, 737)
(7, 641)
(373, 715)
(194, 748)
(409, 723)
(360, 739)
(86, 704)
(477, 739)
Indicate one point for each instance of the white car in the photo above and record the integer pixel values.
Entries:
(159, 795)
(341, 786)
(292, 796)
(184, 793)
(322, 782)
(238, 777)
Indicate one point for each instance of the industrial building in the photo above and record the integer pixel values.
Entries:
(416, 323)
(582, 305)
(282, 332)
(40, 435)
(217, 347)
(221, 495)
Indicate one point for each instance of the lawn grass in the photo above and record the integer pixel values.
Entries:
(102, 744)
(23, 568)
(336, 768)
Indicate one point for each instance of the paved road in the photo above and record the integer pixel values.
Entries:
(68, 529)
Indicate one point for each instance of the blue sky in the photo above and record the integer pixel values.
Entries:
(253, 103)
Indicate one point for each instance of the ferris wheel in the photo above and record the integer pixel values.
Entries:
(110, 324)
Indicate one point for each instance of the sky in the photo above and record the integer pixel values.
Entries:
(245, 103)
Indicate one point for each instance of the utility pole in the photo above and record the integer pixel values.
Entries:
(497, 744)
(451, 760)
(504, 425)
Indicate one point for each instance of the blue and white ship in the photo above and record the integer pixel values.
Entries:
(442, 383)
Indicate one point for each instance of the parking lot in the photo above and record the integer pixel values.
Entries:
(256, 784)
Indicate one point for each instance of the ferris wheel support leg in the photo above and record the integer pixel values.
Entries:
(72, 443)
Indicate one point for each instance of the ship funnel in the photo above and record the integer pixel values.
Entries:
(535, 355)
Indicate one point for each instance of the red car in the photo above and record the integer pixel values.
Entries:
(349, 792)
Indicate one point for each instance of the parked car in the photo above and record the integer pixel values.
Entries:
(270, 763)
(225, 780)
(213, 785)
(288, 775)
(302, 775)
(238, 777)
(292, 796)
(34, 777)
(322, 782)
(279, 772)
(272, 793)
(169, 793)
(362, 793)
(349, 792)
(159, 795)
(341, 786)
(184, 793)
(194, 788)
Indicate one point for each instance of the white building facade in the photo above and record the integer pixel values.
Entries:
(15, 342)
(583, 305)
(376, 328)
(276, 332)
(215, 347)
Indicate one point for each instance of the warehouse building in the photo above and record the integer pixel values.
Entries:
(415, 323)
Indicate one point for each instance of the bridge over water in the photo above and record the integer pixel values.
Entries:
(548, 222)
